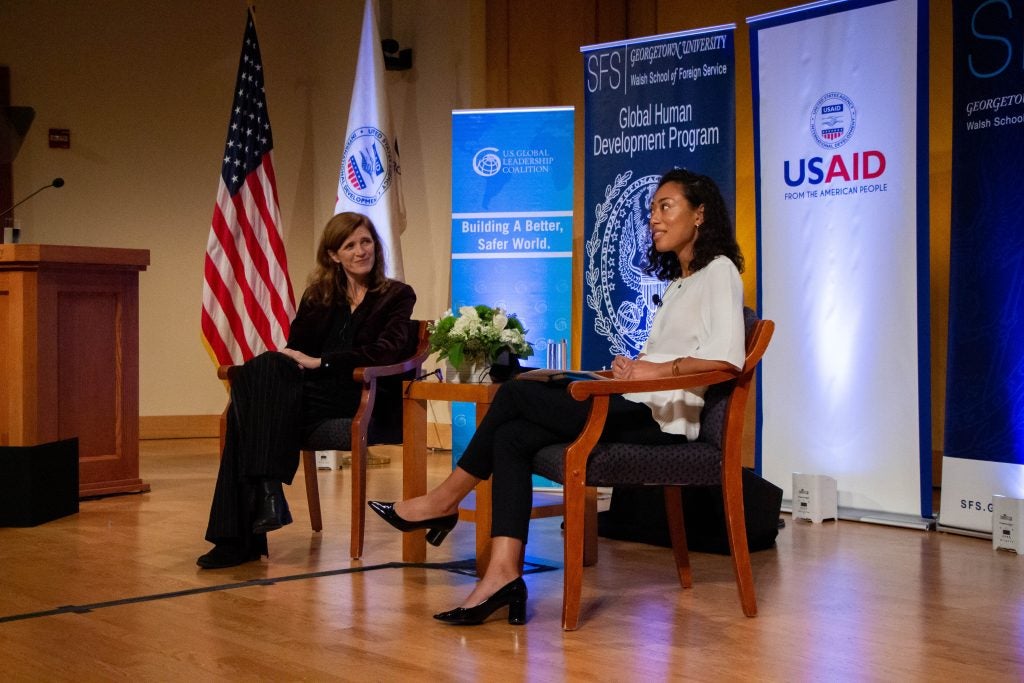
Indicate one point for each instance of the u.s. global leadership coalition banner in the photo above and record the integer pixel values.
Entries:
(841, 120)
(652, 104)
(984, 431)
(512, 175)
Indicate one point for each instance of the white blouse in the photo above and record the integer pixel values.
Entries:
(701, 316)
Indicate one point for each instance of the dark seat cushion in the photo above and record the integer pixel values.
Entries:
(625, 464)
(696, 463)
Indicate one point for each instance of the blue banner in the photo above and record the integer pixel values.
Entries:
(984, 429)
(652, 104)
(512, 194)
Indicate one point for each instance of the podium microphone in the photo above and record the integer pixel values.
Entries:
(57, 182)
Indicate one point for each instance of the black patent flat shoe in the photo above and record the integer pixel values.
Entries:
(512, 594)
(226, 555)
(438, 527)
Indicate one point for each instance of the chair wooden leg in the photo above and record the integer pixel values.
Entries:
(590, 526)
(575, 511)
(312, 490)
(358, 470)
(736, 525)
(677, 532)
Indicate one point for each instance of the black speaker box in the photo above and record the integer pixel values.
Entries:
(38, 483)
(638, 514)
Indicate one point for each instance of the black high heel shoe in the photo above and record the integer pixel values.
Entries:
(512, 594)
(438, 526)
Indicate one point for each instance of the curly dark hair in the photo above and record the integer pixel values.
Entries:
(327, 283)
(715, 237)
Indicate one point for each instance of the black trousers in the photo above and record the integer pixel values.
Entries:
(527, 416)
(274, 405)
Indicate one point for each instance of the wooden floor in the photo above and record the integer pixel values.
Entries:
(837, 601)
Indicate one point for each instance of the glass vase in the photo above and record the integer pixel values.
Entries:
(475, 372)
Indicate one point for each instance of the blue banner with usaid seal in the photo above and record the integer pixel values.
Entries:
(512, 195)
(652, 104)
(984, 430)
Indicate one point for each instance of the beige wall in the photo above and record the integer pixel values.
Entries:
(146, 88)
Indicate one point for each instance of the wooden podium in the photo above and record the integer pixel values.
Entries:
(69, 357)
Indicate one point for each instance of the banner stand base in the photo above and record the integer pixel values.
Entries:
(964, 532)
(877, 517)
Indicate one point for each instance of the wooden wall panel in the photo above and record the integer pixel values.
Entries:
(6, 181)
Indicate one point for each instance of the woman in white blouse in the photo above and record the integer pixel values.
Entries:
(698, 328)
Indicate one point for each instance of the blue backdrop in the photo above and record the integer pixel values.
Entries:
(652, 104)
(984, 430)
(512, 174)
(985, 390)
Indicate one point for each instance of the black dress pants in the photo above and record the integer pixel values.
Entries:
(274, 405)
(527, 416)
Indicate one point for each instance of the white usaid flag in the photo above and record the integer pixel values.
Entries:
(842, 248)
(368, 181)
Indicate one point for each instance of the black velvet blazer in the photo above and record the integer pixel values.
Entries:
(383, 332)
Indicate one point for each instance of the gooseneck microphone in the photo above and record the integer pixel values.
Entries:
(656, 300)
(57, 182)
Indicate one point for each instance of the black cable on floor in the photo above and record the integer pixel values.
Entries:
(467, 567)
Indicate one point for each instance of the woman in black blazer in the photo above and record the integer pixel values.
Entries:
(351, 315)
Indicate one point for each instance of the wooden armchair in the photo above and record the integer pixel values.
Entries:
(714, 458)
(349, 434)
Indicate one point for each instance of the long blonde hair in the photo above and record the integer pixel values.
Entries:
(328, 281)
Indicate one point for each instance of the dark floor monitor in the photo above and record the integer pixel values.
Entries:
(38, 483)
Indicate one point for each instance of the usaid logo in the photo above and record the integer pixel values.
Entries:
(487, 162)
(368, 167)
(833, 120)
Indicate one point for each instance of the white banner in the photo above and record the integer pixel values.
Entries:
(842, 229)
(369, 179)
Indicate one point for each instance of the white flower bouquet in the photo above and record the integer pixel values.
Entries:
(477, 334)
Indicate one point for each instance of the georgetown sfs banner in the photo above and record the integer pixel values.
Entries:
(841, 120)
(984, 431)
(512, 193)
(652, 104)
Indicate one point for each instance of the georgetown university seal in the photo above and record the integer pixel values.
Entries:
(618, 291)
(369, 166)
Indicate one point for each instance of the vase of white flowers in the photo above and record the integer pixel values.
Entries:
(471, 339)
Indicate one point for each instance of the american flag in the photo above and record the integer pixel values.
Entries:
(247, 295)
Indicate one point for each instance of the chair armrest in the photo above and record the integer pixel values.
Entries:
(584, 389)
(227, 372)
(365, 374)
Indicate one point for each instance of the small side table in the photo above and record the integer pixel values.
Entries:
(477, 507)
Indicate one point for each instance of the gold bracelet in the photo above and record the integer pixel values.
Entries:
(675, 368)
